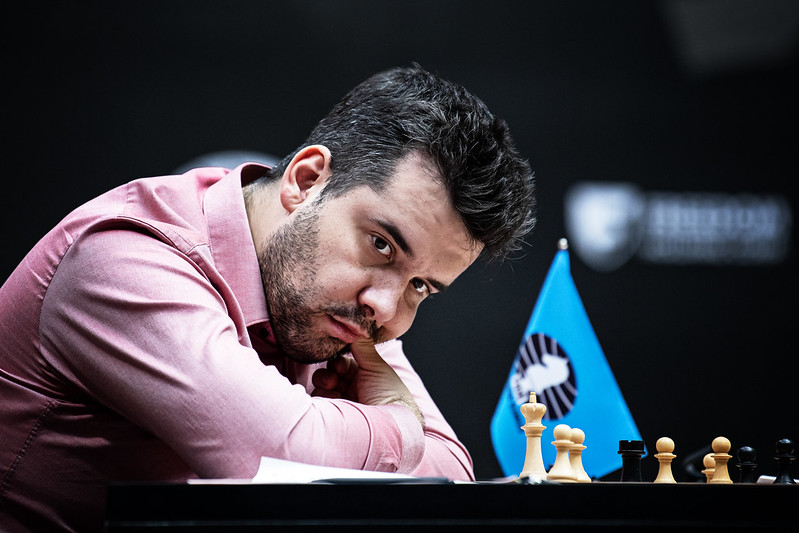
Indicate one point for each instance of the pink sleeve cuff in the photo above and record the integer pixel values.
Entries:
(411, 448)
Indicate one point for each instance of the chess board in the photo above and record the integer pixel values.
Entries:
(390, 507)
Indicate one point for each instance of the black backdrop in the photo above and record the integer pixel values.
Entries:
(100, 93)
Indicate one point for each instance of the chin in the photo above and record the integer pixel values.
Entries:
(312, 357)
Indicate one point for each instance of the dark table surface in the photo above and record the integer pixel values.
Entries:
(393, 506)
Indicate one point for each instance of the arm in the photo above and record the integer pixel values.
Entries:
(444, 455)
(136, 325)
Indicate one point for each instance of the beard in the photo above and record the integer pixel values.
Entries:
(289, 262)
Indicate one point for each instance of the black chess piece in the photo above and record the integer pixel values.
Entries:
(631, 452)
(746, 464)
(784, 457)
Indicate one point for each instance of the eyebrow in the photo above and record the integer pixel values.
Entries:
(396, 234)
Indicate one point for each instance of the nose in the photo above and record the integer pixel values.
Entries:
(380, 300)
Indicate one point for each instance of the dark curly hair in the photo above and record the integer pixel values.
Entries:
(405, 110)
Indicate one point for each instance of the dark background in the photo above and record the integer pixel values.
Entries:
(99, 93)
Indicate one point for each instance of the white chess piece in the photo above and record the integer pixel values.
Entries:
(665, 447)
(721, 445)
(562, 469)
(576, 455)
(533, 412)
(710, 466)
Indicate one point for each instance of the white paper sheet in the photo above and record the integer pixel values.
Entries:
(282, 471)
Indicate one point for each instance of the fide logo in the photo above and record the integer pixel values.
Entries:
(543, 367)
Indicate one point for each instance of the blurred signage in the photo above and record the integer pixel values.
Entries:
(608, 223)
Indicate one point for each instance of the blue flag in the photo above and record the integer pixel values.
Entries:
(560, 359)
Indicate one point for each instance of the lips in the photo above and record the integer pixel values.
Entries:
(345, 331)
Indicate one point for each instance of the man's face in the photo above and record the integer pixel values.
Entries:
(359, 265)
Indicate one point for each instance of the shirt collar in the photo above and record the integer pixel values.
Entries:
(231, 241)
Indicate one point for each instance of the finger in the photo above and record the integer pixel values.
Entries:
(337, 364)
(344, 366)
(324, 378)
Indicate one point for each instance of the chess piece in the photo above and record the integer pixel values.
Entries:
(710, 466)
(746, 464)
(533, 412)
(562, 470)
(664, 446)
(784, 457)
(576, 455)
(631, 452)
(721, 445)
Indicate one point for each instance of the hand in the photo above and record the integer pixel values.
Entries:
(364, 378)
(337, 380)
(376, 383)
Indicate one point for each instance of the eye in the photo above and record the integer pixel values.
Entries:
(382, 246)
(420, 286)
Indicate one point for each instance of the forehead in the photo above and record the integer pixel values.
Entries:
(416, 192)
(415, 200)
(417, 187)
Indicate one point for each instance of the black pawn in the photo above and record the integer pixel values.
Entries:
(631, 452)
(746, 463)
(784, 457)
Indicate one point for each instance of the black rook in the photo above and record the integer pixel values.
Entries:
(631, 452)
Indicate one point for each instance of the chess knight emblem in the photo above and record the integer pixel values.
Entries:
(544, 367)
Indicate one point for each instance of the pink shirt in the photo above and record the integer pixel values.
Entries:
(135, 345)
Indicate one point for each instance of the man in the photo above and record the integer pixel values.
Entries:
(185, 326)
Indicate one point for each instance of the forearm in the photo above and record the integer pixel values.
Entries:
(444, 457)
(444, 454)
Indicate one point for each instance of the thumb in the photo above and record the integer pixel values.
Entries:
(378, 383)
(366, 355)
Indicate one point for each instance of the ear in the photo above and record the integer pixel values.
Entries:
(305, 176)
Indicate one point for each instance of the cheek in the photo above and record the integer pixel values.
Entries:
(401, 323)
(339, 281)
(338, 251)
(340, 268)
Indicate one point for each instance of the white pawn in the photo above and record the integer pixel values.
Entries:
(576, 455)
(664, 456)
(710, 466)
(721, 445)
(562, 469)
(533, 412)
